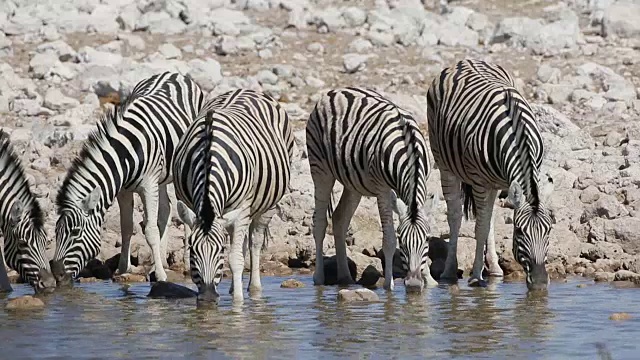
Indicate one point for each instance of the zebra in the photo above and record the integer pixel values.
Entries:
(231, 168)
(130, 152)
(485, 138)
(22, 224)
(373, 148)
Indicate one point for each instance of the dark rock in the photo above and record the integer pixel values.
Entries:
(112, 262)
(169, 290)
(369, 277)
(331, 270)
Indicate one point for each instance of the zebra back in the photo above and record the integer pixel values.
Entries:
(482, 129)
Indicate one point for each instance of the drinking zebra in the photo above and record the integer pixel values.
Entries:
(484, 137)
(22, 224)
(373, 148)
(131, 152)
(231, 168)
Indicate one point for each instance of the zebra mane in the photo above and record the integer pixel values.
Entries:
(530, 183)
(98, 139)
(413, 155)
(205, 209)
(14, 166)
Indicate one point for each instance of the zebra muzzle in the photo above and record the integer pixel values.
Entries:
(61, 276)
(413, 282)
(208, 295)
(46, 282)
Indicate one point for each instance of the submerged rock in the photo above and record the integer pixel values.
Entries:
(346, 295)
(169, 290)
(291, 284)
(125, 278)
(619, 316)
(24, 303)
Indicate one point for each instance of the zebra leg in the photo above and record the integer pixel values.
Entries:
(341, 218)
(125, 203)
(164, 214)
(5, 284)
(322, 193)
(491, 255)
(236, 258)
(151, 231)
(258, 237)
(389, 240)
(452, 193)
(484, 203)
(188, 218)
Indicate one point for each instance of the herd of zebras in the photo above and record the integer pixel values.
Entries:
(229, 159)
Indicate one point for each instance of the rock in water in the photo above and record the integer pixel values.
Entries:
(168, 290)
(370, 277)
(24, 303)
(291, 284)
(620, 316)
(128, 278)
(346, 295)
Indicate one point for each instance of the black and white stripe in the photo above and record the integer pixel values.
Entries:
(231, 168)
(131, 152)
(484, 137)
(21, 222)
(373, 148)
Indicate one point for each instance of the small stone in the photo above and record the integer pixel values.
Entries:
(265, 54)
(315, 48)
(84, 280)
(314, 82)
(354, 62)
(291, 284)
(54, 99)
(26, 302)
(548, 74)
(346, 295)
(128, 278)
(267, 77)
(580, 286)
(170, 51)
(619, 316)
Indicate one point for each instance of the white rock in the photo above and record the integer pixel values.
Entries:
(354, 62)
(128, 17)
(92, 56)
(63, 50)
(314, 82)
(133, 41)
(548, 74)
(41, 63)
(103, 19)
(360, 45)
(621, 19)
(354, 16)
(207, 73)
(169, 51)
(27, 107)
(54, 99)
(267, 77)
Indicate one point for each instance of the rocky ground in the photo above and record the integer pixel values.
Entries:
(575, 60)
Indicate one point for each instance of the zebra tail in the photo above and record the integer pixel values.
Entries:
(469, 201)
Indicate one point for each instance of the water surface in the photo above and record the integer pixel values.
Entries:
(108, 320)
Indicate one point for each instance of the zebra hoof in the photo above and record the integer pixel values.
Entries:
(475, 282)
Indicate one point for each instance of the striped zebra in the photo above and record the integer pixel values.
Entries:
(22, 224)
(373, 148)
(484, 138)
(231, 168)
(131, 152)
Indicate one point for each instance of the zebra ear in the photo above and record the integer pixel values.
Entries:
(185, 214)
(90, 202)
(516, 196)
(397, 205)
(546, 187)
(15, 214)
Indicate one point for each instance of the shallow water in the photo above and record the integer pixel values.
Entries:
(108, 320)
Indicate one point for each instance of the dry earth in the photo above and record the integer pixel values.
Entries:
(61, 63)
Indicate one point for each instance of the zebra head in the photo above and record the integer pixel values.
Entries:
(77, 236)
(26, 243)
(531, 227)
(206, 254)
(413, 233)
